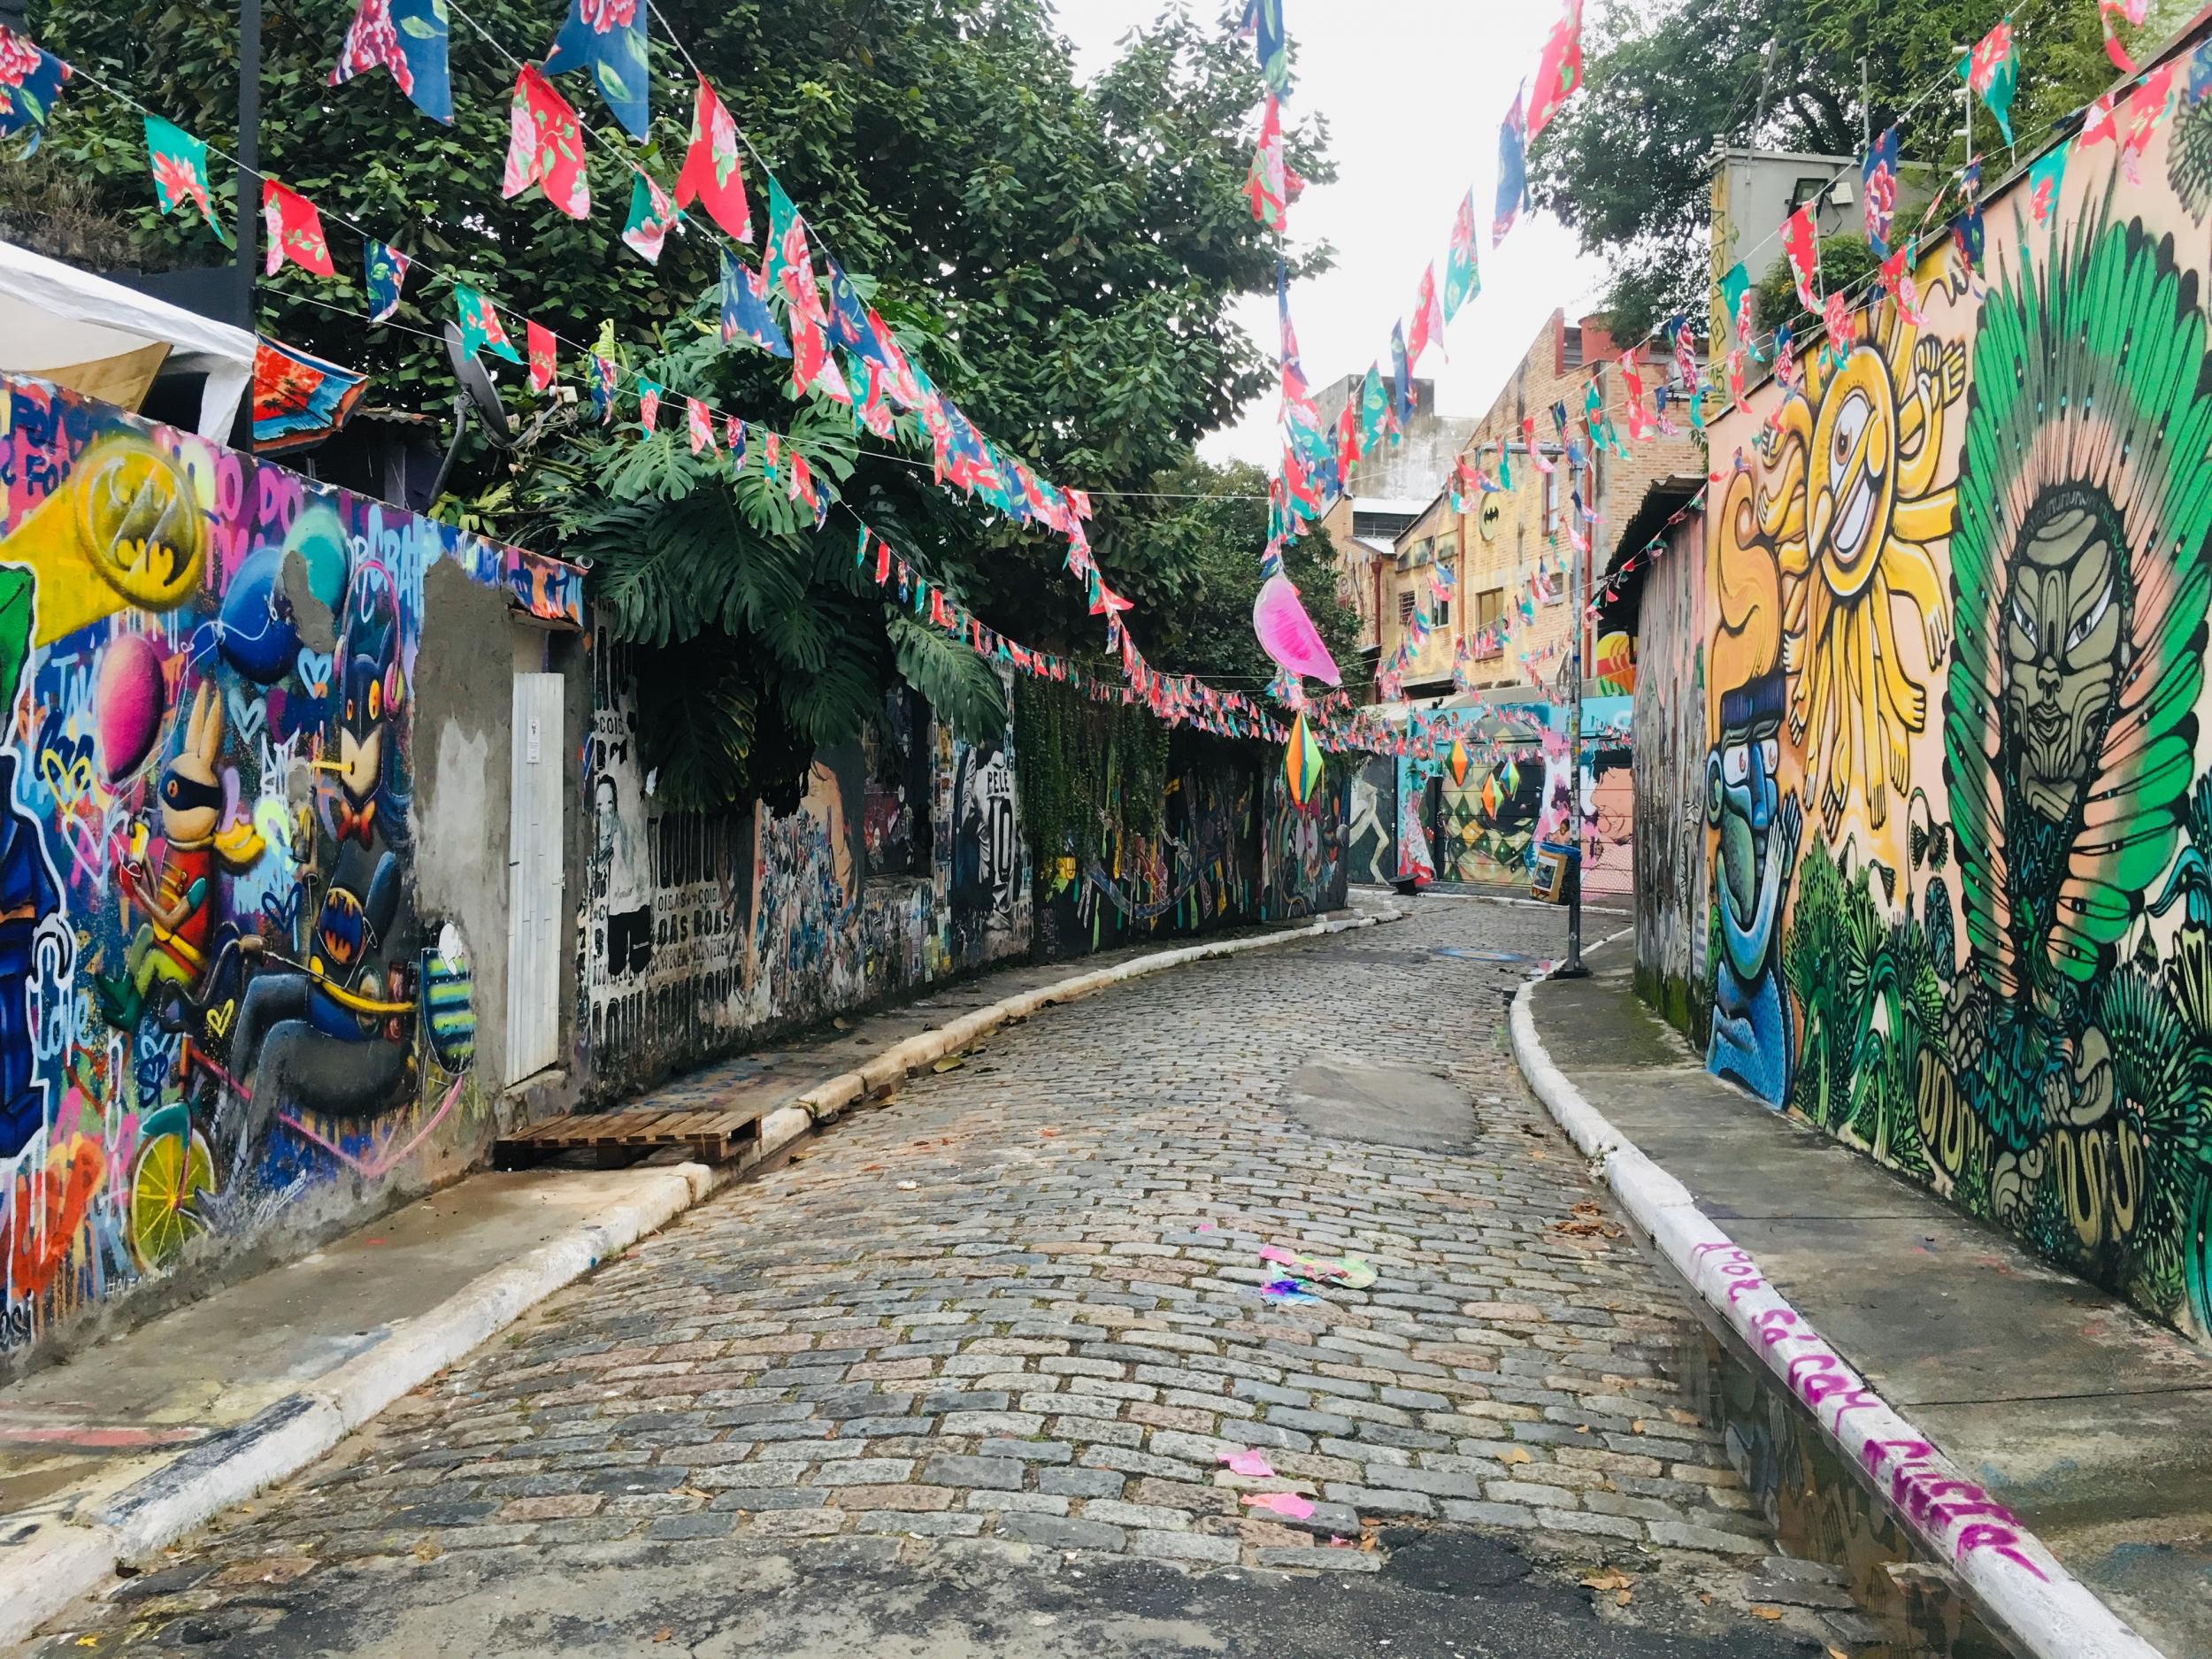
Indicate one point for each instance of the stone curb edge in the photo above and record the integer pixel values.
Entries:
(42, 1577)
(2007, 1571)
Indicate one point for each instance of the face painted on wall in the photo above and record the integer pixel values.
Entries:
(1855, 437)
(1741, 794)
(2065, 631)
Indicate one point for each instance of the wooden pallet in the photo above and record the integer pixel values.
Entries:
(713, 1136)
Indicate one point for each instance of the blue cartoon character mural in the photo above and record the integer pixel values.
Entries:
(1756, 826)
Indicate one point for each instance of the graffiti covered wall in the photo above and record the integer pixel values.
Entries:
(1487, 801)
(1669, 847)
(1373, 829)
(221, 1012)
(703, 933)
(1958, 775)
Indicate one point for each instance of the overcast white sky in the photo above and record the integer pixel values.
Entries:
(1414, 91)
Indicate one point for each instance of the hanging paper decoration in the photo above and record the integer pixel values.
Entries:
(180, 167)
(1302, 763)
(653, 214)
(1512, 171)
(481, 329)
(1559, 71)
(1287, 633)
(2199, 81)
(1897, 279)
(1877, 178)
(1270, 184)
(1428, 318)
(770, 445)
(1841, 325)
(1463, 276)
(1639, 422)
(1458, 762)
(745, 310)
(1785, 359)
(1687, 369)
(874, 413)
(2146, 108)
(1374, 409)
(1263, 27)
(1735, 291)
(1536, 455)
(407, 37)
(544, 358)
(1966, 228)
(387, 275)
(2046, 178)
(1401, 375)
(800, 487)
(1993, 69)
(1801, 243)
(733, 440)
(30, 86)
(602, 372)
(607, 38)
(2134, 11)
(711, 174)
(788, 266)
(648, 403)
(293, 231)
(699, 423)
(298, 399)
(545, 146)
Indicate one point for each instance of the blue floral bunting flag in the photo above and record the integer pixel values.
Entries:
(745, 310)
(407, 37)
(387, 276)
(30, 86)
(607, 38)
(1512, 171)
(653, 214)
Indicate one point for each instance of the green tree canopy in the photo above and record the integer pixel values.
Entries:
(1063, 258)
(1628, 165)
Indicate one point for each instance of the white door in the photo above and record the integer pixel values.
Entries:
(533, 880)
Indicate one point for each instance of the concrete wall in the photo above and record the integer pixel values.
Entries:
(1958, 757)
(703, 935)
(252, 830)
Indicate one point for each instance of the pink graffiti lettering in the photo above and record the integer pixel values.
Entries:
(2001, 1539)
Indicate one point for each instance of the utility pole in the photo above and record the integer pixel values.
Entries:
(1577, 601)
(248, 158)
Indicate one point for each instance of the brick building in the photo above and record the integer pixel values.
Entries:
(1510, 548)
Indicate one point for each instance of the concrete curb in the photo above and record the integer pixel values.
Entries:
(2010, 1575)
(42, 1577)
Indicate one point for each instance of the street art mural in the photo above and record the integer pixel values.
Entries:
(1373, 829)
(1489, 798)
(1199, 871)
(1305, 869)
(704, 931)
(1668, 806)
(1958, 781)
(220, 1010)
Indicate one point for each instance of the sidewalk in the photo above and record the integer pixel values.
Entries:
(137, 1439)
(2091, 1425)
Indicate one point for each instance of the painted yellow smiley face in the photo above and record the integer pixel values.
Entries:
(1850, 471)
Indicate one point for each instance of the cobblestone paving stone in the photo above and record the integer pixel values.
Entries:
(1023, 1303)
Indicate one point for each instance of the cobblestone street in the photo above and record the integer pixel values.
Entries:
(963, 1376)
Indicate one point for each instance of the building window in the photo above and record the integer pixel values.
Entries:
(1551, 503)
(1405, 606)
(1382, 526)
(1489, 606)
(1443, 613)
(1571, 354)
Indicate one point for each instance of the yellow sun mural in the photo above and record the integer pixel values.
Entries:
(1853, 509)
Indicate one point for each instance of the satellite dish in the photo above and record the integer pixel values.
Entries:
(477, 388)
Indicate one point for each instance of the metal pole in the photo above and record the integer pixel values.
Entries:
(1578, 586)
(249, 158)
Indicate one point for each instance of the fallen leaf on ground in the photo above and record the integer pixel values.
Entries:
(1047, 1133)
(1608, 1581)
(1766, 1612)
(950, 1062)
(428, 1551)
(663, 1634)
(1514, 1455)
(1622, 1598)
(1536, 1152)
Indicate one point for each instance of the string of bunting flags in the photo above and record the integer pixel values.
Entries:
(841, 350)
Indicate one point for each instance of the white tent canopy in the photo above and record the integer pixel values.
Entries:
(53, 316)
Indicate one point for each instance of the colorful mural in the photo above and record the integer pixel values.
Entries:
(902, 863)
(1669, 806)
(1502, 786)
(220, 1007)
(1201, 871)
(1958, 786)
